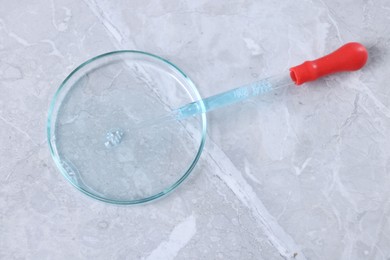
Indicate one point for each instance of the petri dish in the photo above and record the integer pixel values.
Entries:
(96, 133)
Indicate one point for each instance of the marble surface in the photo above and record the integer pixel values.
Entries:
(298, 174)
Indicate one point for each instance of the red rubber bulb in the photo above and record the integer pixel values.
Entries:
(351, 56)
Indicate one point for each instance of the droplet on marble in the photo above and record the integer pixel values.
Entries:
(103, 224)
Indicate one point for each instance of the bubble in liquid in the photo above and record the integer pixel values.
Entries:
(113, 138)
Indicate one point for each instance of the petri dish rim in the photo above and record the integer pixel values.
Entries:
(189, 84)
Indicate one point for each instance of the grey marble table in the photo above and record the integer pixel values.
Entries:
(302, 174)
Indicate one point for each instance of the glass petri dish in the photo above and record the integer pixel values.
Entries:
(95, 132)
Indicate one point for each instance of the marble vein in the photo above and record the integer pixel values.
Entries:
(14, 36)
(179, 237)
(233, 178)
(113, 31)
(18, 129)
